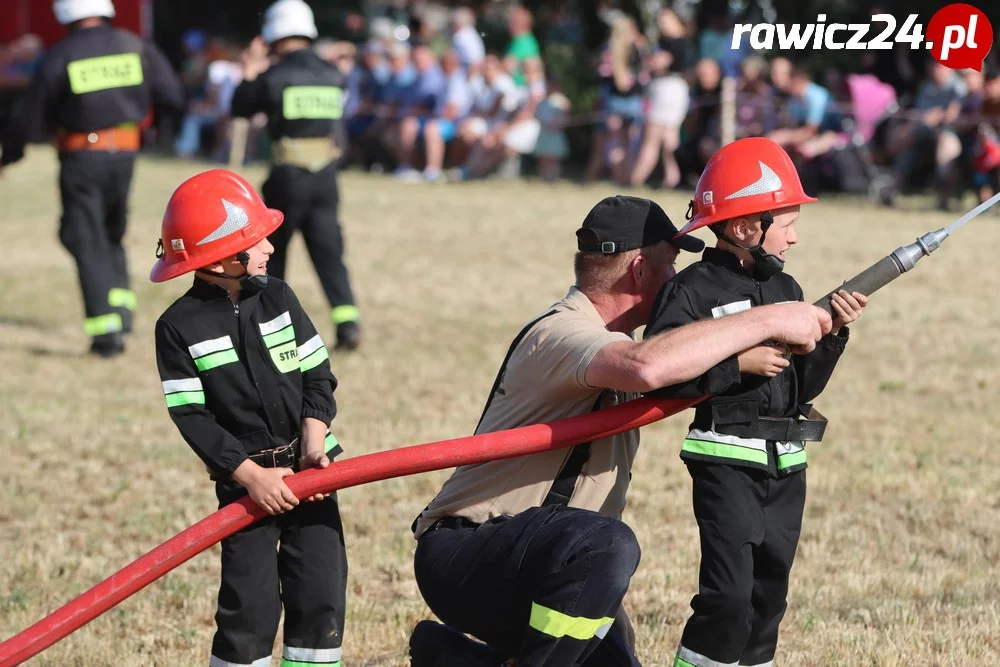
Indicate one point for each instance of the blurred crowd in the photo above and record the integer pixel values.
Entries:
(428, 102)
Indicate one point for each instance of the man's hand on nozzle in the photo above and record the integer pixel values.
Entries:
(799, 325)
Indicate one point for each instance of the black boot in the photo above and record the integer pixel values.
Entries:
(108, 345)
(348, 336)
(436, 645)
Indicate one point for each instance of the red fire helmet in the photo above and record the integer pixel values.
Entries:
(211, 216)
(748, 176)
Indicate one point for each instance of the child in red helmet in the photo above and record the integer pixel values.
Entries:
(745, 450)
(247, 381)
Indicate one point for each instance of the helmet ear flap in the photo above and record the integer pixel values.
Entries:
(766, 220)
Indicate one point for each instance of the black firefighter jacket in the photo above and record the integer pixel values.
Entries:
(714, 287)
(240, 378)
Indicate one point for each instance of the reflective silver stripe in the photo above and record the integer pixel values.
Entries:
(277, 324)
(210, 346)
(603, 630)
(219, 662)
(236, 219)
(790, 447)
(769, 663)
(712, 436)
(731, 308)
(310, 346)
(698, 660)
(174, 386)
(310, 654)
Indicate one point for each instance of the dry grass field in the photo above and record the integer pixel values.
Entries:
(898, 563)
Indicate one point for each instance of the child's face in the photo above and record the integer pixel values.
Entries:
(781, 234)
(259, 254)
(256, 266)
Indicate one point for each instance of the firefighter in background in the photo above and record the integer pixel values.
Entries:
(303, 97)
(94, 88)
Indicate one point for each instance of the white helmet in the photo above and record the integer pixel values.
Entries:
(71, 11)
(288, 18)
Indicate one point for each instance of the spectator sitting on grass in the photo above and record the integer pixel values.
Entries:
(454, 106)
(496, 99)
(364, 87)
(391, 101)
(423, 98)
(810, 108)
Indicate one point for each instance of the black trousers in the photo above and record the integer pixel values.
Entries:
(307, 574)
(94, 187)
(542, 586)
(310, 202)
(749, 523)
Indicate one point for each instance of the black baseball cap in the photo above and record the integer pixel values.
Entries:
(621, 223)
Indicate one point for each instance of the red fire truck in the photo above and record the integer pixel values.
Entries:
(19, 17)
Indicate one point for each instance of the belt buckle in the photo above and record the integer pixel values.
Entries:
(283, 451)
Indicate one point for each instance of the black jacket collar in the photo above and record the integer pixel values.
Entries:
(728, 260)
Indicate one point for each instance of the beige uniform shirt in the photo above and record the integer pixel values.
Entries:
(545, 380)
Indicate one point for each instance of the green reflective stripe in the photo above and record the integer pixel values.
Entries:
(185, 398)
(330, 442)
(279, 337)
(790, 460)
(557, 624)
(312, 102)
(285, 662)
(285, 356)
(103, 324)
(122, 298)
(104, 73)
(342, 314)
(680, 662)
(314, 359)
(210, 361)
(724, 450)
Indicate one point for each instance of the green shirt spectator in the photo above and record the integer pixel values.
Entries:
(523, 45)
(522, 48)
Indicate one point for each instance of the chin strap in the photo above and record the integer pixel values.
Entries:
(248, 283)
(766, 263)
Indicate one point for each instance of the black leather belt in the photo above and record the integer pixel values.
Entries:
(809, 428)
(286, 456)
(452, 522)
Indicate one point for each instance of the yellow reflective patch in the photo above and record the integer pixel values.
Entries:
(285, 357)
(312, 102)
(557, 624)
(104, 73)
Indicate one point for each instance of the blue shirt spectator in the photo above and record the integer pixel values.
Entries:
(810, 108)
(364, 88)
(428, 89)
(458, 95)
(396, 90)
(812, 104)
(934, 94)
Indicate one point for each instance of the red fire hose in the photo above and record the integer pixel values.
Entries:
(340, 475)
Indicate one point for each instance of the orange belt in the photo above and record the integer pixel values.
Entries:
(121, 138)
